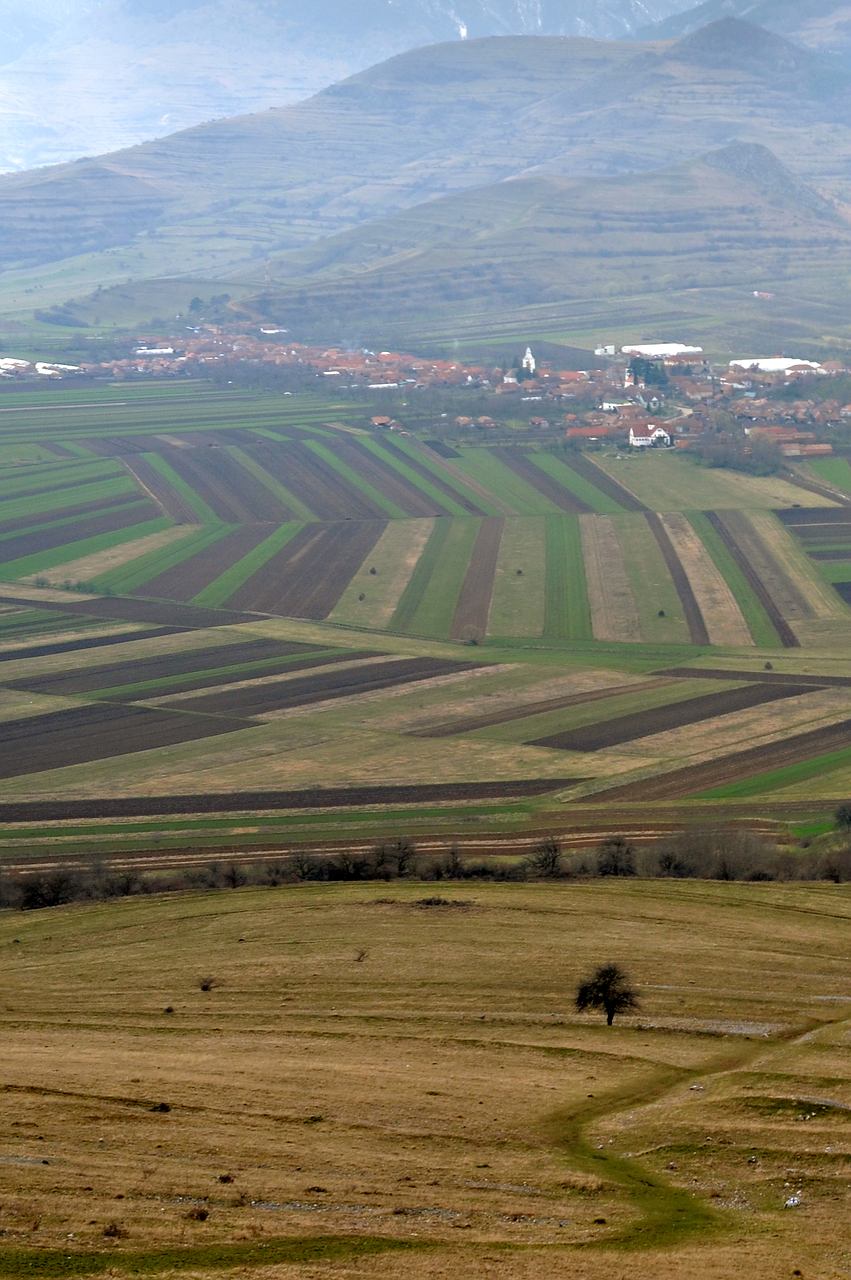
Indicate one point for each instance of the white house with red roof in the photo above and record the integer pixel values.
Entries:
(649, 435)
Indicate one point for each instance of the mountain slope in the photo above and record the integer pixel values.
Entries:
(823, 26)
(81, 77)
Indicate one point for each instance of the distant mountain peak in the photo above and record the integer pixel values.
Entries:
(737, 44)
(759, 165)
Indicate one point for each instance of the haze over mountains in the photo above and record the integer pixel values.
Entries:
(823, 26)
(82, 77)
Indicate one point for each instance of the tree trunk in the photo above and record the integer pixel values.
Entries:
(610, 1017)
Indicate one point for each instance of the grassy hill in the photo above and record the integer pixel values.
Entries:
(212, 202)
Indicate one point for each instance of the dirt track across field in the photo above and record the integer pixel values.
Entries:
(675, 715)
(474, 602)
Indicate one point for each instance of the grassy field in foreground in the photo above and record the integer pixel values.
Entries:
(369, 1069)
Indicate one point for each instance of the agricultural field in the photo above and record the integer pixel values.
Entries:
(372, 1082)
(232, 595)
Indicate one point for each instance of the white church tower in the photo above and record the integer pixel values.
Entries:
(529, 361)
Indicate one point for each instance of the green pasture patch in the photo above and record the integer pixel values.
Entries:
(355, 480)
(232, 579)
(128, 577)
(286, 496)
(567, 613)
(576, 484)
(198, 505)
(47, 1264)
(836, 570)
(518, 600)
(652, 584)
(446, 476)
(72, 496)
(759, 623)
(486, 469)
(28, 565)
(370, 599)
(835, 470)
(779, 779)
(809, 829)
(437, 606)
(21, 454)
(415, 590)
(419, 482)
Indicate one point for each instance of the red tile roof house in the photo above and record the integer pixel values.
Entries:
(647, 436)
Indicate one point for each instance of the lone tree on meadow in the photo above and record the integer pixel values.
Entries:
(842, 817)
(608, 989)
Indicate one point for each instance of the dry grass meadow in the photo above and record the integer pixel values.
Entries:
(379, 1071)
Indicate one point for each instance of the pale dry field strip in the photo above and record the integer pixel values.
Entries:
(614, 614)
(822, 599)
(725, 624)
(439, 1090)
(394, 557)
(785, 590)
(89, 567)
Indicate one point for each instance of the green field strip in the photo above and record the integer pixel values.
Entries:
(481, 465)
(418, 455)
(418, 481)
(567, 613)
(759, 624)
(356, 481)
(415, 590)
(24, 454)
(371, 599)
(550, 722)
(129, 577)
(80, 450)
(576, 484)
(779, 779)
(518, 600)
(73, 496)
(286, 496)
(68, 522)
(58, 477)
(28, 565)
(437, 607)
(836, 570)
(204, 513)
(652, 584)
(232, 579)
(835, 470)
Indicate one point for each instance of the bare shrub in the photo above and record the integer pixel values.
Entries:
(616, 857)
(545, 858)
(207, 984)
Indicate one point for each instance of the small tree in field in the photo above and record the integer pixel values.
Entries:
(608, 989)
(842, 817)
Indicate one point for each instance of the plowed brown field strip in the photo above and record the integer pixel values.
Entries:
(540, 480)
(122, 517)
(83, 734)
(605, 483)
(307, 577)
(694, 779)
(523, 711)
(235, 496)
(247, 801)
(791, 603)
(94, 642)
(323, 490)
(434, 480)
(170, 502)
(641, 724)
(158, 612)
(794, 516)
(785, 633)
(160, 667)
(67, 513)
(767, 677)
(389, 482)
(257, 700)
(183, 581)
(474, 601)
(694, 618)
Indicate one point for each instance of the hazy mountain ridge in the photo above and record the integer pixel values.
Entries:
(82, 77)
(823, 26)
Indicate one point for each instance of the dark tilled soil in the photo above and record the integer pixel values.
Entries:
(813, 486)
(307, 577)
(326, 493)
(443, 450)
(394, 486)
(814, 515)
(538, 479)
(170, 502)
(474, 602)
(697, 778)
(843, 589)
(121, 517)
(785, 633)
(436, 481)
(232, 493)
(791, 604)
(640, 724)
(183, 581)
(159, 612)
(611, 488)
(96, 733)
(522, 712)
(257, 700)
(95, 642)
(768, 677)
(247, 801)
(134, 671)
(66, 513)
(694, 618)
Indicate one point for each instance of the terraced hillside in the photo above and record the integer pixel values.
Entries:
(246, 618)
